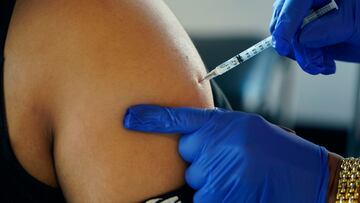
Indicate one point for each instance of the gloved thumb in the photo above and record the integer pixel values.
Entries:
(287, 22)
(328, 30)
(157, 119)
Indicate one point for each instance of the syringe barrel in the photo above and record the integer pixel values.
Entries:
(320, 12)
(255, 49)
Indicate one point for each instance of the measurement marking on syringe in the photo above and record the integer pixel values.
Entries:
(239, 58)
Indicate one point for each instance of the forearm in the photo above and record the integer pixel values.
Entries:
(334, 162)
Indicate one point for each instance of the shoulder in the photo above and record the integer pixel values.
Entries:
(93, 59)
(140, 44)
(108, 36)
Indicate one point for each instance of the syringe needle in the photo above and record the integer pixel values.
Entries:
(262, 45)
(209, 76)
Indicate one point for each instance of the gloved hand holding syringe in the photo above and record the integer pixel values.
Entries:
(262, 45)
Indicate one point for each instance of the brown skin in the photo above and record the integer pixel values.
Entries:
(72, 69)
(334, 162)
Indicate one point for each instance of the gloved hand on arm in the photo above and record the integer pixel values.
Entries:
(334, 36)
(239, 157)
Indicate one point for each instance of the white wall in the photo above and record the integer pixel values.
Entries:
(223, 17)
(318, 99)
(328, 100)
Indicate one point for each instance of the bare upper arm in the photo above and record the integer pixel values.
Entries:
(100, 57)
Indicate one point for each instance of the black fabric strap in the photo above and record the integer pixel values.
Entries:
(182, 195)
(220, 99)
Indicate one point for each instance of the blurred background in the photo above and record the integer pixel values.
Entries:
(322, 109)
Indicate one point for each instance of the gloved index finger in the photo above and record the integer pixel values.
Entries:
(157, 119)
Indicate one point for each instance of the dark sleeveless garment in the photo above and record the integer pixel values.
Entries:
(16, 185)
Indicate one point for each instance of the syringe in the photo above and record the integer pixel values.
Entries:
(262, 45)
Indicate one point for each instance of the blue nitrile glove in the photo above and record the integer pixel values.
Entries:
(334, 36)
(239, 157)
